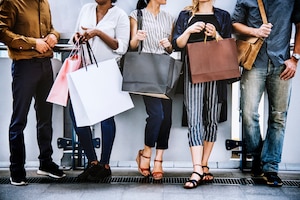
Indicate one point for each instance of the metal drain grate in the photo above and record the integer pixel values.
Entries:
(150, 180)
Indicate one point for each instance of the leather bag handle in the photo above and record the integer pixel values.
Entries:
(262, 11)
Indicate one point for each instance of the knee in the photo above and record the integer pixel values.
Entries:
(278, 117)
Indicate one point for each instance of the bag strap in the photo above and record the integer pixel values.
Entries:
(91, 55)
(75, 49)
(140, 27)
(262, 11)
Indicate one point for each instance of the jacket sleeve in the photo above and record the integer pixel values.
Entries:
(8, 17)
(296, 12)
(180, 26)
(224, 20)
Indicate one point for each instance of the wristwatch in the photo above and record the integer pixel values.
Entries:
(296, 56)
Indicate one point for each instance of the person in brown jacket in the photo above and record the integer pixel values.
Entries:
(26, 29)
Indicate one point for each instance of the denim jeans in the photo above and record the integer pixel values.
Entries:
(108, 132)
(253, 85)
(84, 136)
(159, 122)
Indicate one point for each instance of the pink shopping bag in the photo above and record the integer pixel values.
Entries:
(59, 91)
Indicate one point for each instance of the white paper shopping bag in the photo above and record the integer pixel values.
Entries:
(96, 94)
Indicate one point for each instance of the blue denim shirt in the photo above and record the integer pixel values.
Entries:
(223, 18)
(280, 14)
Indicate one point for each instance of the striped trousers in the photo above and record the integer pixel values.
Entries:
(201, 102)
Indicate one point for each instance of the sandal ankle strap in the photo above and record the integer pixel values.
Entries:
(141, 152)
(205, 167)
(200, 175)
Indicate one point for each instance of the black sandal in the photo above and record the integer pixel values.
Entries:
(193, 181)
(207, 174)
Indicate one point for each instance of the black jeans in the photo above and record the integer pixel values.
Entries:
(31, 78)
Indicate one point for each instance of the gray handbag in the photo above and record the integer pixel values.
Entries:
(150, 74)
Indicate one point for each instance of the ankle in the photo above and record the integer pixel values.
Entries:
(146, 154)
(94, 162)
(106, 166)
(198, 168)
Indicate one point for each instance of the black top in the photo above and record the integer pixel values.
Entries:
(206, 18)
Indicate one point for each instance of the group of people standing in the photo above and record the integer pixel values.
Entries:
(26, 28)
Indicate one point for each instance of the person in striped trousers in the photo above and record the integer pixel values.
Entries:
(196, 22)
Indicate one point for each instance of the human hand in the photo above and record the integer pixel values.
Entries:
(263, 31)
(210, 30)
(196, 27)
(51, 40)
(165, 42)
(289, 71)
(141, 35)
(42, 46)
(77, 39)
(88, 33)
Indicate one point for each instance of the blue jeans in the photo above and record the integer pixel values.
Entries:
(108, 132)
(159, 121)
(253, 84)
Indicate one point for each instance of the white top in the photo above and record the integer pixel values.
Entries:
(115, 23)
(157, 27)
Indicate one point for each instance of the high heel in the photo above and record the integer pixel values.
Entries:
(144, 171)
(207, 176)
(158, 175)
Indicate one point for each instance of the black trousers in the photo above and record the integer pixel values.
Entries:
(31, 78)
(159, 122)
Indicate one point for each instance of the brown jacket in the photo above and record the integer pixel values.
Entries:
(21, 24)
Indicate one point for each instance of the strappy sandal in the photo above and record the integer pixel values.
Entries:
(157, 175)
(143, 171)
(194, 181)
(207, 176)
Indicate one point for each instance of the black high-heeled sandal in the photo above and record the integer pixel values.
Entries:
(194, 181)
(208, 174)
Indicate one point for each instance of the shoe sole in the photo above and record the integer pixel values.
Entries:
(41, 172)
(272, 184)
(22, 183)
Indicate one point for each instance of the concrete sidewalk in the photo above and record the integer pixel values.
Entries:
(127, 184)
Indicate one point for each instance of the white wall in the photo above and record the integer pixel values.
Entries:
(65, 16)
(130, 124)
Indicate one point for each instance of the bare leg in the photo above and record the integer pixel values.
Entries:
(143, 160)
(196, 152)
(157, 169)
(207, 149)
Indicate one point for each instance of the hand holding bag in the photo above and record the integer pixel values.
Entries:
(248, 47)
(213, 60)
(59, 92)
(150, 74)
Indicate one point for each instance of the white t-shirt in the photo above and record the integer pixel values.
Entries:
(115, 23)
